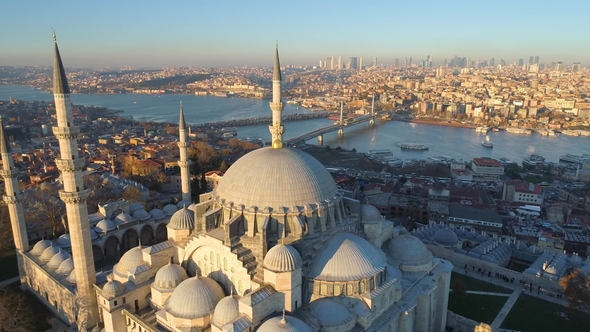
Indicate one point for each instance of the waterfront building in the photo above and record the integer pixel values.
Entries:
(522, 192)
(486, 169)
(275, 246)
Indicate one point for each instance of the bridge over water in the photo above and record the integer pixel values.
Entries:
(336, 127)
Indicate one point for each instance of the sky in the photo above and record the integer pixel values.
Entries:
(227, 33)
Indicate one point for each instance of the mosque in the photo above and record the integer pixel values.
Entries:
(275, 247)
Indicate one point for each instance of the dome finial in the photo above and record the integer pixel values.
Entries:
(54, 37)
(231, 292)
(171, 260)
(283, 320)
(139, 243)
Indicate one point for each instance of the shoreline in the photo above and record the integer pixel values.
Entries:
(436, 123)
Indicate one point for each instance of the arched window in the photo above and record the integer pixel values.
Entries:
(240, 286)
(363, 286)
(211, 257)
(324, 290)
(218, 261)
(349, 289)
(225, 263)
(337, 290)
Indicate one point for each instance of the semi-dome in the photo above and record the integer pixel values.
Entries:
(370, 215)
(135, 207)
(40, 246)
(169, 276)
(282, 258)
(105, 225)
(347, 257)
(194, 298)
(276, 178)
(112, 288)
(49, 252)
(57, 259)
(66, 267)
(169, 209)
(157, 214)
(182, 219)
(409, 250)
(141, 215)
(331, 313)
(446, 237)
(226, 310)
(64, 241)
(72, 277)
(284, 324)
(131, 259)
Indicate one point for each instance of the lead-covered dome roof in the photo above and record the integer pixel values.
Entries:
(331, 313)
(409, 250)
(276, 178)
(347, 257)
(169, 276)
(40, 246)
(446, 237)
(182, 219)
(284, 324)
(194, 298)
(282, 258)
(131, 259)
(226, 310)
(370, 214)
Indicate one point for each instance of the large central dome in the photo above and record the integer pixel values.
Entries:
(276, 178)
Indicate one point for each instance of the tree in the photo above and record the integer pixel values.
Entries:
(43, 206)
(15, 314)
(6, 240)
(131, 194)
(203, 183)
(223, 167)
(576, 288)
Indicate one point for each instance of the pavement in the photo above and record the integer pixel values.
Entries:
(506, 309)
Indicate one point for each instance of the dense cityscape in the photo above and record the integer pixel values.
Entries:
(182, 171)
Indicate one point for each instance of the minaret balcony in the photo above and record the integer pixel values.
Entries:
(11, 199)
(277, 107)
(7, 174)
(181, 145)
(69, 165)
(66, 132)
(69, 197)
(182, 164)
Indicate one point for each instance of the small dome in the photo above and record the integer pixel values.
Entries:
(49, 253)
(521, 246)
(575, 260)
(66, 267)
(93, 235)
(331, 313)
(446, 237)
(370, 215)
(347, 257)
(169, 209)
(194, 298)
(192, 207)
(105, 225)
(72, 277)
(282, 258)
(141, 215)
(169, 276)
(123, 218)
(112, 288)
(409, 250)
(482, 238)
(40, 246)
(157, 214)
(57, 259)
(133, 207)
(97, 328)
(226, 310)
(183, 204)
(131, 259)
(533, 249)
(284, 324)
(182, 219)
(586, 270)
(64, 241)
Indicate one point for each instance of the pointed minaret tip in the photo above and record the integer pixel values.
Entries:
(4, 146)
(60, 81)
(276, 75)
(181, 123)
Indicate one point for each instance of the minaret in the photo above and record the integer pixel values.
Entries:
(276, 105)
(73, 194)
(183, 162)
(13, 201)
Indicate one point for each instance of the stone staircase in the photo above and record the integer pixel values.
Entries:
(246, 256)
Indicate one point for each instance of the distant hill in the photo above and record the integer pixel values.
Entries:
(173, 80)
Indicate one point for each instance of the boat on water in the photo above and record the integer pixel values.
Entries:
(520, 131)
(487, 143)
(482, 130)
(495, 129)
(570, 158)
(417, 147)
(533, 160)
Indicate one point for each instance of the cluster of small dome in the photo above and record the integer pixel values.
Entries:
(56, 258)
(493, 250)
(549, 265)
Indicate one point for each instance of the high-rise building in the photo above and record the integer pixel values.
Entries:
(492, 60)
(559, 66)
(321, 64)
(576, 67)
(353, 63)
(406, 62)
(531, 59)
(340, 62)
(410, 62)
(330, 63)
(360, 67)
(520, 62)
(536, 59)
(374, 64)
(396, 62)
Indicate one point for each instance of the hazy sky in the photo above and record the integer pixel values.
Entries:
(243, 32)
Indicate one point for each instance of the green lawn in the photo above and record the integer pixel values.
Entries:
(533, 314)
(477, 284)
(480, 308)
(8, 265)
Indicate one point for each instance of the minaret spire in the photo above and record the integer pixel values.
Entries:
(276, 129)
(183, 162)
(13, 201)
(70, 165)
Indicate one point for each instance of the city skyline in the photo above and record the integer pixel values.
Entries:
(236, 34)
